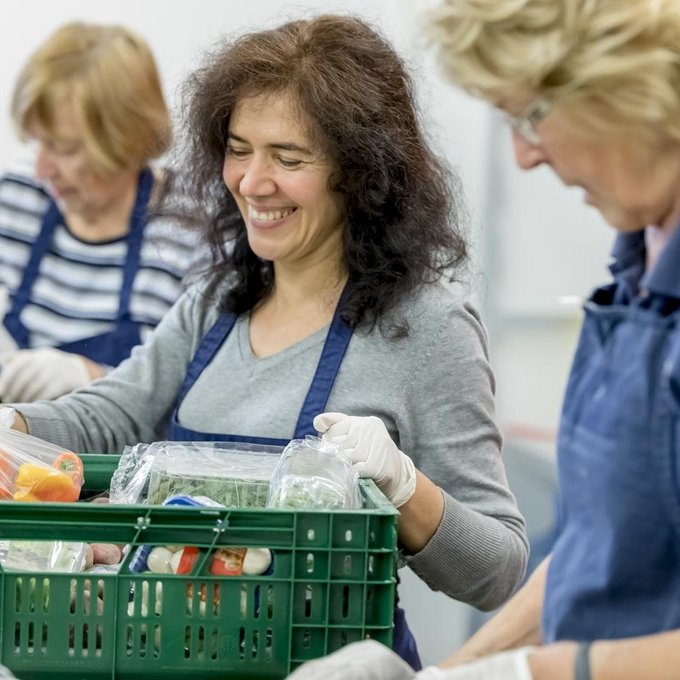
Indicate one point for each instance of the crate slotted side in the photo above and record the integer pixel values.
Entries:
(333, 583)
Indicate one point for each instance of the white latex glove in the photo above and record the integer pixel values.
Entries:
(45, 373)
(373, 453)
(506, 666)
(8, 417)
(365, 660)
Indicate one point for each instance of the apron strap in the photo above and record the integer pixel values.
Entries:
(211, 342)
(332, 354)
(21, 296)
(134, 238)
(52, 218)
(337, 342)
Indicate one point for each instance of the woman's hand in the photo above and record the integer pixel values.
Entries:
(512, 665)
(365, 660)
(373, 453)
(44, 373)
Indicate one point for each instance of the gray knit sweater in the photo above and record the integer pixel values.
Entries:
(433, 389)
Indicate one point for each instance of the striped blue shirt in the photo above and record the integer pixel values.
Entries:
(76, 294)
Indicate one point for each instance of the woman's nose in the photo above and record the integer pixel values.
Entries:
(257, 180)
(44, 164)
(527, 154)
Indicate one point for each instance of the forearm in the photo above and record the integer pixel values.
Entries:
(473, 558)
(421, 515)
(653, 657)
(19, 423)
(516, 625)
(94, 370)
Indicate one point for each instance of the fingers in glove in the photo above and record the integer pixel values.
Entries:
(15, 378)
(324, 421)
(366, 660)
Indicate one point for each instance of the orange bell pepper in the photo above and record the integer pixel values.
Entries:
(70, 464)
(35, 482)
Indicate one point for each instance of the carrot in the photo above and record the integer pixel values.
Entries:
(7, 473)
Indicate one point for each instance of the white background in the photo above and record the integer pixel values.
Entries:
(534, 241)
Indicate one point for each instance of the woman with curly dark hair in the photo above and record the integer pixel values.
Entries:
(331, 224)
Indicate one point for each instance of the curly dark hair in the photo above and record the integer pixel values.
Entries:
(402, 219)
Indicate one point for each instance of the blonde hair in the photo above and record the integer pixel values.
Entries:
(109, 76)
(612, 64)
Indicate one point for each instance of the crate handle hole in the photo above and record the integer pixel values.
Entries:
(308, 601)
(256, 602)
(242, 643)
(345, 602)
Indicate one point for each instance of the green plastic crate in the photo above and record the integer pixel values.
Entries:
(333, 583)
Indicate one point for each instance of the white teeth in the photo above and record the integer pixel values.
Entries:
(270, 215)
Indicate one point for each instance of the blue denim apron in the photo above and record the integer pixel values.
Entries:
(615, 570)
(332, 354)
(108, 348)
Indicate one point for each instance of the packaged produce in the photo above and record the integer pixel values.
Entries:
(232, 475)
(314, 474)
(35, 470)
(45, 556)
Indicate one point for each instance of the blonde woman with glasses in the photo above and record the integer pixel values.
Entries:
(591, 89)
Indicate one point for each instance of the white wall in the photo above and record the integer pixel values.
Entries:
(535, 241)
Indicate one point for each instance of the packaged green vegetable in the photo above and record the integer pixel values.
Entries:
(233, 475)
(314, 474)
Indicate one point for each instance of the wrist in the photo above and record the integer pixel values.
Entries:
(94, 370)
(403, 486)
(553, 662)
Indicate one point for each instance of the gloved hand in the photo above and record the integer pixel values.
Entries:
(506, 666)
(373, 453)
(8, 417)
(45, 373)
(365, 660)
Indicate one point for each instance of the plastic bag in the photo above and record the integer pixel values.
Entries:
(231, 474)
(314, 474)
(45, 556)
(35, 470)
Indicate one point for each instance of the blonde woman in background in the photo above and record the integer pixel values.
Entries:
(88, 267)
(591, 88)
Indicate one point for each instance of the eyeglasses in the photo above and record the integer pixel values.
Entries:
(525, 123)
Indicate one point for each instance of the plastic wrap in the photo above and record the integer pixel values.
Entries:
(233, 475)
(44, 556)
(35, 470)
(314, 474)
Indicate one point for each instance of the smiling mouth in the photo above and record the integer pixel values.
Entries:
(269, 215)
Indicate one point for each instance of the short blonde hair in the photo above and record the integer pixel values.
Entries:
(109, 76)
(612, 64)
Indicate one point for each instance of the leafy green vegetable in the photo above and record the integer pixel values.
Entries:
(231, 492)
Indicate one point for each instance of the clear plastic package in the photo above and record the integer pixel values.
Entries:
(35, 470)
(231, 474)
(45, 556)
(314, 474)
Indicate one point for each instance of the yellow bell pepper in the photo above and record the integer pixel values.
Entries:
(37, 483)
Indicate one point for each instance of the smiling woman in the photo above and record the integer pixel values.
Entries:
(280, 184)
(332, 224)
